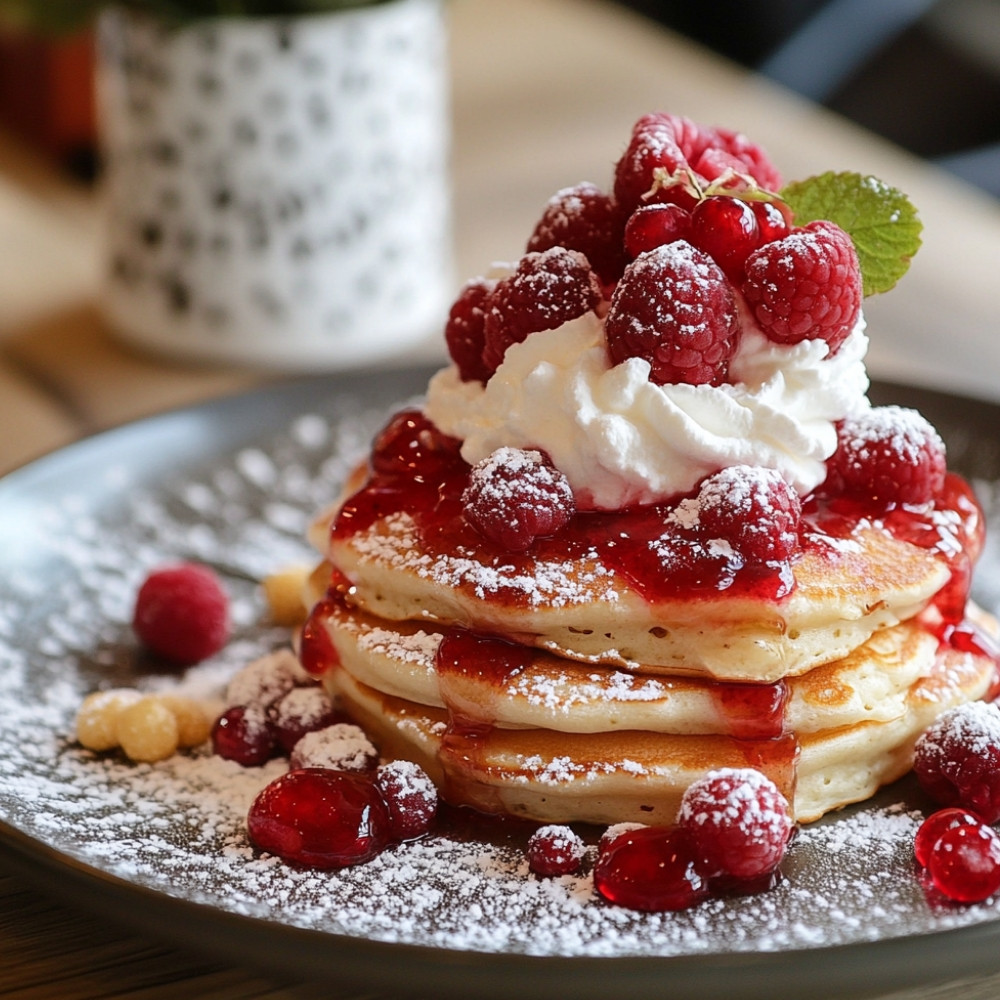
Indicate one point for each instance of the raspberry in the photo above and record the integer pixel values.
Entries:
(555, 850)
(319, 818)
(244, 734)
(652, 869)
(546, 290)
(182, 613)
(739, 823)
(410, 796)
(935, 826)
(584, 218)
(651, 226)
(957, 759)
(733, 150)
(805, 286)
(754, 509)
(727, 230)
(964, 863)
(889, 454)
(516, 496)
(652, 146)
(463, 332)
(675, 309)
(666, 144)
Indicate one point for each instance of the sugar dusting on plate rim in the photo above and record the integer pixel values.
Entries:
(177, 827)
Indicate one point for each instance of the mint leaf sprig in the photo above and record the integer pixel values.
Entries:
(880, 220)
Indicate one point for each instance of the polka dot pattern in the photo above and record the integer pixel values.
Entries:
(276, 189)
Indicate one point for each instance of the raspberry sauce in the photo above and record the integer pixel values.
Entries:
(419, 472)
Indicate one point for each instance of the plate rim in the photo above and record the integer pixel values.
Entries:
(855, 969)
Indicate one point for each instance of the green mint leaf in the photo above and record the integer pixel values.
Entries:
(880, 220)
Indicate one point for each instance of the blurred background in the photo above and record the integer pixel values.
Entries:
(924, 74)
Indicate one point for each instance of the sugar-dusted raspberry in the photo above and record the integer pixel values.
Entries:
(464, 333)
(663, 146)
(584, 218)
(957, 759)
(805, 286)
(651, 226)
(182, 613)
(752, 507)
(555, 849)
(936, 825)
(515, 496)
(728, 150)
(302, 710)
(546, 290)
(244, 734)
(890, 454)
(739, 822)
(342, 746)
(652, 147)
(675, 309)
(266, 680)
(411, 797)
(964, 863)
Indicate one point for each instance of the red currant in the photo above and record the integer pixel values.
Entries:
(936, 825)
(964, 863)
(772, 222)
(244, 734)
(727, 230)
(654, 225)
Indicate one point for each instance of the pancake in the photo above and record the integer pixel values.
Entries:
(512, 686)
(630, 775)
(581, 608)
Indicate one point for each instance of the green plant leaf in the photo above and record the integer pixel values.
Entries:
(880, 220)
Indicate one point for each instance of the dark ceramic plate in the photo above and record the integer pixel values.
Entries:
(162, 847)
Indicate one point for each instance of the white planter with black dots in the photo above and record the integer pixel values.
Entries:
(276, 190)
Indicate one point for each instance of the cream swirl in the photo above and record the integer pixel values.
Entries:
(621, 440)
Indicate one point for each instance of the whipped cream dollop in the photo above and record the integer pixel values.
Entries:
(622, 440)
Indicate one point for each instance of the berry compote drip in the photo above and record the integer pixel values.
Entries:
(952, 526)
(317, 652)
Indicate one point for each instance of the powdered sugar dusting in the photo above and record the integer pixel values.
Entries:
(73, 557)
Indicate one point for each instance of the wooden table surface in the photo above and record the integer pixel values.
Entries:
(544, 93)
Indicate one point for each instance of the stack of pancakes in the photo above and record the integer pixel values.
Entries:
(550, 688)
